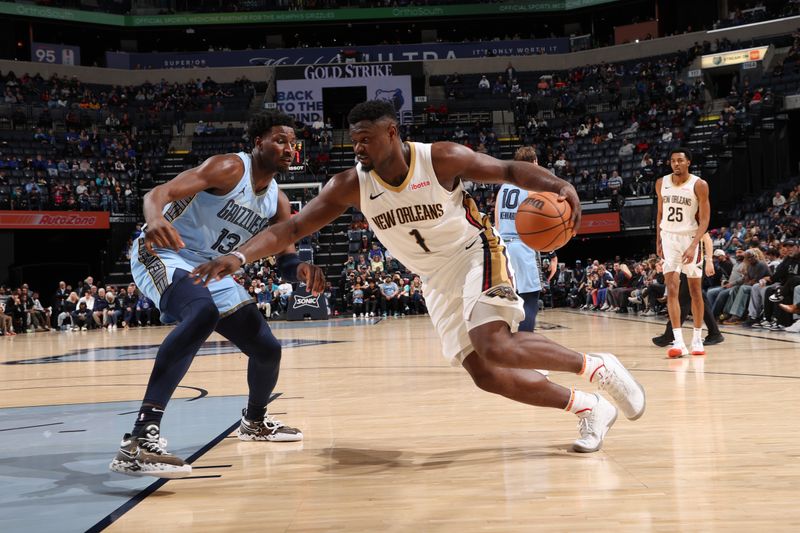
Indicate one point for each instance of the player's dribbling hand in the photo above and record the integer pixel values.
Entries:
(313, 277)
(216, 269)
(570, 195)
(162, 234)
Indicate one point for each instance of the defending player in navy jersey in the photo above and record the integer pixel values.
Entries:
(203, 213)
(414, 199)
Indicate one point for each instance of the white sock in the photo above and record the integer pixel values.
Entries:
(697, 335)
(677, 333)
(581, 402)
(590, 366)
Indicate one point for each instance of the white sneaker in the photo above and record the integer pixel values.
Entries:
(697, 347)
(794, 328)
(678, 349)
(593, 426)
(620, 384)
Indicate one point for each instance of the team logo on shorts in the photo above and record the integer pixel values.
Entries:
(502, 291)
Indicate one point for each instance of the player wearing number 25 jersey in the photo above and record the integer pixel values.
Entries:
(679, 205)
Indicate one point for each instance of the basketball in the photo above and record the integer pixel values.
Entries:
(544, 223)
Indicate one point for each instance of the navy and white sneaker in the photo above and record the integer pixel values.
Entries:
(147, 456)
(269, 428)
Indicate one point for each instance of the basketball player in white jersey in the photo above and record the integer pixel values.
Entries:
(414, 199)
(202, 213)
(683, 215)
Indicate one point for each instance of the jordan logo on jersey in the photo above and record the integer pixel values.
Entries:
(407, 214)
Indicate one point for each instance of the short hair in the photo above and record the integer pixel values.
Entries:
(681, 150)
(526, 153)
(372, 110)
(260, 123)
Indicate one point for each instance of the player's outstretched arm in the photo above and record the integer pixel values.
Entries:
(341, 192)
(219, 173)
(452, 161)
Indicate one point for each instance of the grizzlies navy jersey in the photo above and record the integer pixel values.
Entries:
(212, 225)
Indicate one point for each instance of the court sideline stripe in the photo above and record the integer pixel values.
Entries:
(117, 513)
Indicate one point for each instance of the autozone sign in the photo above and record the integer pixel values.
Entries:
(54, 220)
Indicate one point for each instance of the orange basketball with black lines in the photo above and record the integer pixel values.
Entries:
(543, 223)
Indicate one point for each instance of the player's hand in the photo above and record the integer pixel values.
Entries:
(313, 277)
(659, 250)
(162, 234)
(710, 269)
(215, 270)
(689, 255)
(569, 194)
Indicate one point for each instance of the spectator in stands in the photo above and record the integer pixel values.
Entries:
(112, 312)
(484, 85)
(787, 276)
(372, 297)
(61, 295)
(6, 320)
(358, 300)
(778, 200)
(499, 86)
(81, 317)
(99, 308)
(285, 290)
(788, 265)
(626, 150)
(264, 299)
(390, 297)
(40, 313)
(68, 307)
(755, 272)
(145, 311)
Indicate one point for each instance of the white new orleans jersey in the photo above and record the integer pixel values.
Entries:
(425, 226)
(679, 206)
(441, 236)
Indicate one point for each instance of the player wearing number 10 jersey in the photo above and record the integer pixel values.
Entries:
(203, 213)
(683, 214)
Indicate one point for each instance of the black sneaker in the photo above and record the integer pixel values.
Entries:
(147, 456)
(713, 339)
(269, 429)
(662, 340)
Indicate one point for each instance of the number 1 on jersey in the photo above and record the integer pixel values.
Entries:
(415, 233)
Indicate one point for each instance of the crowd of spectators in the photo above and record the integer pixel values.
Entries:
(373, 282)
(119, 102)
(80, 308)
(82, 147)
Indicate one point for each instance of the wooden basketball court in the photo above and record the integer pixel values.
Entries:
(396, 440)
